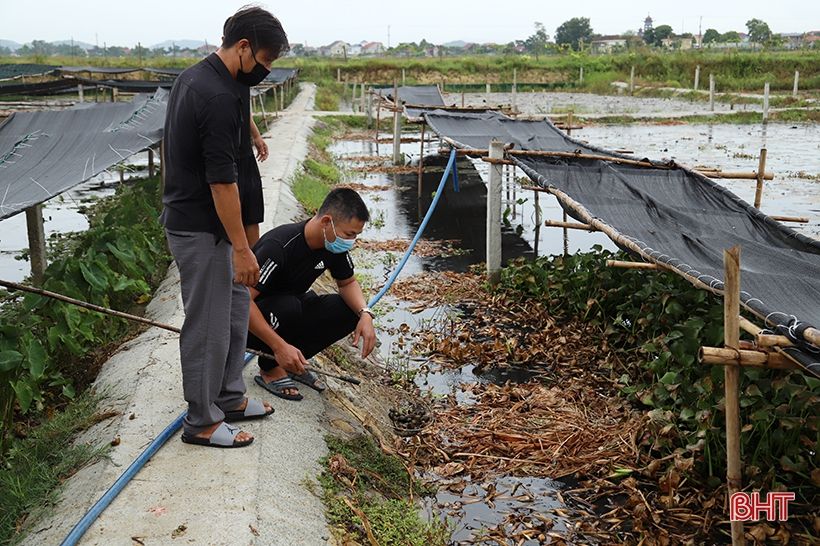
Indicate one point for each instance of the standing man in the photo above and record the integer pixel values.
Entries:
(293, 322)
(203, 224)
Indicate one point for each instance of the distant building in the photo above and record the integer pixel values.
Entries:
(608, 44)
(792, 40)
(372, 48)
(678, 42)
(338, 48)
(812, 38)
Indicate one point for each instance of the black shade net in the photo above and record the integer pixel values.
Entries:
(43, 154)
(668, 215)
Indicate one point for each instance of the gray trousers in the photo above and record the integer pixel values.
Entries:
(214, 334)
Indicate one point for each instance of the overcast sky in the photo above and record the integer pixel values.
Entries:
(319, 22)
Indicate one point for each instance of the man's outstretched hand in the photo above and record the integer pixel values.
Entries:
(291, 359)
(367, 333)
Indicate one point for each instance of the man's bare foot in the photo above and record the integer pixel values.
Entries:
(278, 373)
(241, 437)
(244, 405)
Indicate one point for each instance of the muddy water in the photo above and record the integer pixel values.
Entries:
(506, 502)
(61, 214)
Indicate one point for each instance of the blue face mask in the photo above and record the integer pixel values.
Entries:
(339, 245)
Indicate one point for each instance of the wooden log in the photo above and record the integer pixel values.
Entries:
(731, 374)
(632, 265)
(771, 340)
(744, 357)
(568, 225)
(761, 169)
(795, 219)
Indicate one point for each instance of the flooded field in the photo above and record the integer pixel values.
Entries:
(587, 104)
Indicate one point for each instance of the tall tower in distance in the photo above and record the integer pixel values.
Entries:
(647, 23)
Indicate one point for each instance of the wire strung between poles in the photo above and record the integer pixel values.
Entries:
(143, 320)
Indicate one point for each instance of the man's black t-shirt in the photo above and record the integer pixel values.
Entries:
(203, 128)
(287, 265)
(250, 181)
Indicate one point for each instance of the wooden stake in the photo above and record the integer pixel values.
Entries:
(36, 243)
(421, 160)
(632, 80)
(403, 77)
(81, 92)
(765, 102)
(731, 341)
(761, 170)
(712, 92)
(565, 234)
(493, 257)
(396, 125)
(697, 77)
(796, 79)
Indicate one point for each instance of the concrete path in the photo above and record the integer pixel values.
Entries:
(189, 494)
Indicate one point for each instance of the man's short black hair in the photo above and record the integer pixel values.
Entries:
(344, 204)
(259, 27)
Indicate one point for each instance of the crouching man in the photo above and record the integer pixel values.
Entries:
(290, 320)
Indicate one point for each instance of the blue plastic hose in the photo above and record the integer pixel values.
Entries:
(91, 516)
(451, 166)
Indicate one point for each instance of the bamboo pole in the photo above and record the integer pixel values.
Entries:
(567, 225)
(766, 102)
(749, 327)
(631, 265)
(737, 175)
(697, 77)
(796, 80)
(731, 341)
(493, 250)
(771, 340)
(761, 170)
(732, 358)
(134, 318)
(632, 80)
(795, 219)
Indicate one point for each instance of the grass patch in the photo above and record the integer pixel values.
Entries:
(34, 467)
(328, 96)
(378, 487)
(326, 171)
(309, 191)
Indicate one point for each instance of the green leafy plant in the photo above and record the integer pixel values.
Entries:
(658, 321)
